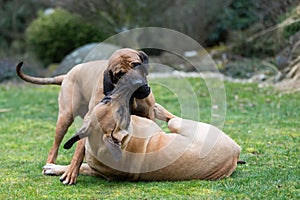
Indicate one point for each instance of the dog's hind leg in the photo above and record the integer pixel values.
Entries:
(69, 106)
(64, 121)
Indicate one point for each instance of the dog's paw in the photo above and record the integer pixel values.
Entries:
(69, 178)
(48, 169)
(53, 169)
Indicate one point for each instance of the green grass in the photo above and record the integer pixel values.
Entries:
(265, 123)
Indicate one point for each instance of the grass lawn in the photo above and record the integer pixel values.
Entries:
(265, 123)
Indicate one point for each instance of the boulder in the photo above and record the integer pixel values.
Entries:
(88, 52)
(7, 69)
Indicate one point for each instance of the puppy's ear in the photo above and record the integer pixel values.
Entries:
(82, 133)
(108, 85)
(144, 57)
(71, 141)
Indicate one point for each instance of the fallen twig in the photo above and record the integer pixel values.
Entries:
(4, 110)
(286, 22)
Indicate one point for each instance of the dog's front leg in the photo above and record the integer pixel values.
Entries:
(70, 176)
(148, 108)
(161, 113)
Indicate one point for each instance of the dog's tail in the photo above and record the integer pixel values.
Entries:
(57, 80)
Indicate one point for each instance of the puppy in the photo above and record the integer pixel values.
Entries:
(121, 146)
(86, 84)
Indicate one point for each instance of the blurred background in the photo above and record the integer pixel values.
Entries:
(258, 40)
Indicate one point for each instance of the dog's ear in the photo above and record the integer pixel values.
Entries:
(108, 85)
(144, 57)
(82, 133)
(71, 141)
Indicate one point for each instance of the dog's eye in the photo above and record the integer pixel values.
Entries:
(135, 64)
(120, 74)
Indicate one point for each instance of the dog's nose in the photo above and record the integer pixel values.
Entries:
(142, 92)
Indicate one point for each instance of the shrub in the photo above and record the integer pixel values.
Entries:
(53, 36)
(15, 16)
(291, 30)
(237, 16)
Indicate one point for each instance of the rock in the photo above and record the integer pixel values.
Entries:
(88, 52)
(258, 78)
(189, 54)
(100, 51)
(7, 69)
(284, 57)
(190, 61)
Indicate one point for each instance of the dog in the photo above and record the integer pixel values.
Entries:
(121, 146)
(86, 84)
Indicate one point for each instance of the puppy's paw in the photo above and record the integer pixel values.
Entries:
(48, 169)
(69, 177)
(175, 125)
(53, 169)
